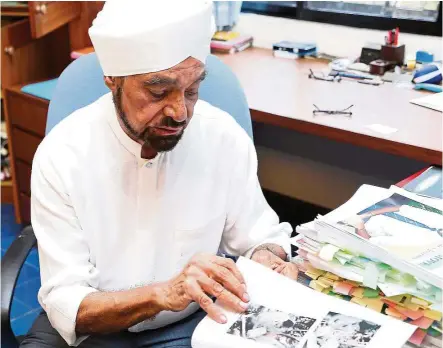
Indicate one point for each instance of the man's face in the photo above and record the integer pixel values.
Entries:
(155, 108)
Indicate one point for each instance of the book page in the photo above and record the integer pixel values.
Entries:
(284, 313)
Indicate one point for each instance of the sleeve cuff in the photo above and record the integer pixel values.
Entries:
(283, 240)
(62, 307)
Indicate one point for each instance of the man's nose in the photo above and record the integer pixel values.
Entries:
(176, 109)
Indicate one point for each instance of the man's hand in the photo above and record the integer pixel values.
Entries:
(268, 259)
(204, 276)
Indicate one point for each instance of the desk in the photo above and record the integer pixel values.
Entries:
(280, 93)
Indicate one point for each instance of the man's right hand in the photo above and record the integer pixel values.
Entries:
(204, 276)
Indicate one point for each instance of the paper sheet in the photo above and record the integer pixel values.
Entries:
(285, 301)
(433, 101)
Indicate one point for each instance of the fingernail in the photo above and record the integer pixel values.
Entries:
(246, 297)
(223, 319)
(243, 305)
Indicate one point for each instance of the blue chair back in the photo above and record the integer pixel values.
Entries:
(81, 83)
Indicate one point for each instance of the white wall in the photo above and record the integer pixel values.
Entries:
(332, 39)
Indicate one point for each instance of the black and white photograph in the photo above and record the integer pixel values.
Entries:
(342, 331)
(272, 327)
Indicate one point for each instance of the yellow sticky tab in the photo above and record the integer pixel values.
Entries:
(420, 302)
(327, 290)
(332, 276)
(313, 284)
(435, 315)
(358, 292)
(353, 283)
(326, 281)
(373, 303)
(358, 301)
(412, 306)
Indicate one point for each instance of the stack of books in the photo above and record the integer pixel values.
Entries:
(382, 250)
(230, 42)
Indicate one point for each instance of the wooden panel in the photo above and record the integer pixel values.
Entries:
(46, 16)
(23, 174)
(7, 192)
(28, 113)
(78, 28)
(279, 92)
(24, 144)
(16, 35)
(25, 208)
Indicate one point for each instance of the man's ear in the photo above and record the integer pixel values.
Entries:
(111, 82)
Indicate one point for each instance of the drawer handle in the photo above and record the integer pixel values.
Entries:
(9, 50)
(42, 9)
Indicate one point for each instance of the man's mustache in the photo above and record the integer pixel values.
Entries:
(171, 123)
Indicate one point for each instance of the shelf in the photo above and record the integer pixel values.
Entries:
(7, 195)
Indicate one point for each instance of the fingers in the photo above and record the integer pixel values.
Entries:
(198, 295)
(226, 298)
(230, 264)
(225, 277)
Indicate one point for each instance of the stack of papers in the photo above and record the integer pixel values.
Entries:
(381, 250)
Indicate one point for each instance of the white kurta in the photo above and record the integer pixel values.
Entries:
(108, 220)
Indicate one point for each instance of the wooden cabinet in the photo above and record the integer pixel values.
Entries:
(26, 122)
(37, 38)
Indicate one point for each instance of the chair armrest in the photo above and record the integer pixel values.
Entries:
(12, 263)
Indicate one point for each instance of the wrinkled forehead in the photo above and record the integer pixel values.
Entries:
(183, 74)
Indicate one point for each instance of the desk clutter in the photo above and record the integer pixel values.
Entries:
(382, 250)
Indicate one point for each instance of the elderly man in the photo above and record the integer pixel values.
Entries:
(134, 195)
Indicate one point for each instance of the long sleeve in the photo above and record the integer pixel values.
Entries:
(67, 276)
(250, 220)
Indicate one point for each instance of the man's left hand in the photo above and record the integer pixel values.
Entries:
(268, 259)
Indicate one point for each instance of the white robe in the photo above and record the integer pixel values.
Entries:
(108, 220)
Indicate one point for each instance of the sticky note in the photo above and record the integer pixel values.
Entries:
(342, 288)
(434, 315)
(325, 281)
(432, 332)
(389, 302)
(423, 322)
(357, 292)
(371, 293)
(393, 313)
(327, 252)
(373, 303)
(437, 326)
(314, 285)
(410, 313)
(370, 276)
(417, 337)
(358, 301)
(331, 276)
(420, 302)
(351, 282)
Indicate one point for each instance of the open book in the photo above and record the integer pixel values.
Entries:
(286, 314)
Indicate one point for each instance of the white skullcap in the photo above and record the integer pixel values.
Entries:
(142, 36)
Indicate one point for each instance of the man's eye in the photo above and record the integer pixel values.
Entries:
(191, 93)
(158, 95)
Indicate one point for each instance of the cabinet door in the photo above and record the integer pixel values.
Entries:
(46, 16)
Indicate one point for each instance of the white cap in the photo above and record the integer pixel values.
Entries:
(142, 36)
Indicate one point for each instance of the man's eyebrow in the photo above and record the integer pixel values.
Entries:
(160, 80)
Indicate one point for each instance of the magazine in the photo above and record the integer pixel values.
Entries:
(398, 228)
(283, 313)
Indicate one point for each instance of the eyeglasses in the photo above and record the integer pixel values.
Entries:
(322, 76)
(344, 112)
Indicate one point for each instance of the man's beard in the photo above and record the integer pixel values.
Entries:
(154, 141)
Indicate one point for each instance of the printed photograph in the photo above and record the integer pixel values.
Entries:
(272, 327)
(342, 331)
(407, 228)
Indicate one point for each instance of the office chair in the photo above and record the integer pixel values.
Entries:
(80, 84)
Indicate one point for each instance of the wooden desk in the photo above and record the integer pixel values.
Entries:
(280, 93)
